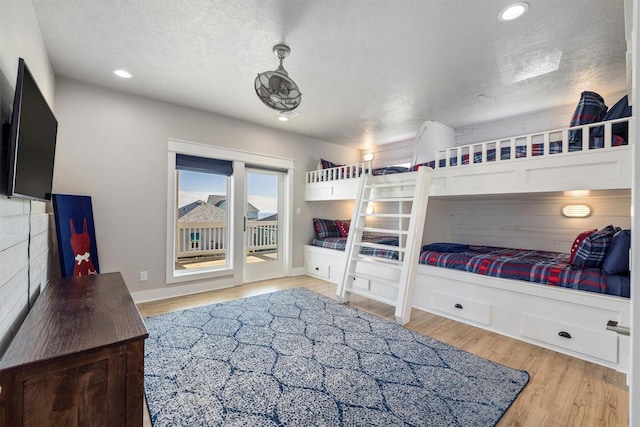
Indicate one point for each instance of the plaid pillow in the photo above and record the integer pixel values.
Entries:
(591, 109)
(326, 164)
(578, 241)
(325, 228)
(593, 248)
(343, 227)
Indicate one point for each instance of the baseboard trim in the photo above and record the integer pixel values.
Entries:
(298, 271)
(178, 291)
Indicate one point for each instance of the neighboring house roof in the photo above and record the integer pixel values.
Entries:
(205, 212)
(273, 217)
(215, 200)
(188, 208)
(221, 202)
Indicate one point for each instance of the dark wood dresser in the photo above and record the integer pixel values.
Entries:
(78, 358)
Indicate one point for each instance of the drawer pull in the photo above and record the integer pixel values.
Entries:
(459, 306)
(564, 334)
(317, 268)
(612, 325)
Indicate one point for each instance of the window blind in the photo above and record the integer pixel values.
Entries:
(204, 165)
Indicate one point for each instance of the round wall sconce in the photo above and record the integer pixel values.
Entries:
(576, 211)
(368, 157)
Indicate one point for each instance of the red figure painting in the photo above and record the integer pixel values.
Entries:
(78, 249)
(81, 245)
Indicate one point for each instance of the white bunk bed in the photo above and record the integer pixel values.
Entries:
(565, 320)
(608, 167)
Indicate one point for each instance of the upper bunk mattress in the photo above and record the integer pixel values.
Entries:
(548, 268)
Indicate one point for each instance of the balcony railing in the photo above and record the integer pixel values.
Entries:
(210, 238)
(262, 235)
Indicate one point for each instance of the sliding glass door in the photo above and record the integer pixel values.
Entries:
(262, 223)
(227, 215)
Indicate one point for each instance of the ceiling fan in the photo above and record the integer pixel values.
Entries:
(275, 88)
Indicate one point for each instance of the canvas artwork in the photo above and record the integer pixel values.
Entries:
(76, 235)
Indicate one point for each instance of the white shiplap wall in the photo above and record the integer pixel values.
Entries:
(24, 261)
(534, 221)
(531, 221)
(20, 36)
(394, 153)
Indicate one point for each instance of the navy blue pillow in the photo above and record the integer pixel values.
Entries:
(616, 261)
(620, 110)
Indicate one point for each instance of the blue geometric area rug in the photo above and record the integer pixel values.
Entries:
(297, 358)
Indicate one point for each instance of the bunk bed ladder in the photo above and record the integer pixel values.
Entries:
(381, 279)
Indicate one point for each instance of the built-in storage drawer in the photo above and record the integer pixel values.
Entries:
(318, 269)
(600, 344)
(363, 284)
(324, 263)
(476, 311)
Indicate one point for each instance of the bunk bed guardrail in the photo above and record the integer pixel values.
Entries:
(594, 136)
(537, 145)
(339, 173)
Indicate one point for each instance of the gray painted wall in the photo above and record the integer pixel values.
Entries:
(113, 147)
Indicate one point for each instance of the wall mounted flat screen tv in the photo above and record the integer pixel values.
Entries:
(32, 141)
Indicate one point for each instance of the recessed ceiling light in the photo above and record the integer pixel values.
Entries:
(283, 116)
(123, 73)
(513, 11)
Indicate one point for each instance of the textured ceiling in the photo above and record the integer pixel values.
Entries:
(370, 71)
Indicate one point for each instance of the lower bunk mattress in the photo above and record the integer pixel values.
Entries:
(339, 244)
(547, 268)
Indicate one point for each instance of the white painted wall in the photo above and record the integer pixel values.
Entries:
(393, 153)
(113, 147)
(20, 37)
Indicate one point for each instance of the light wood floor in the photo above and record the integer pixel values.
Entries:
(563, 391)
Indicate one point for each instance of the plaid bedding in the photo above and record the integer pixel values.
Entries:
(549, 268)
(339, 244)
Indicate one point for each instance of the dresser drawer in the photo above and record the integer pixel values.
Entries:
(600, 344)
(318, 269)
(476, 311)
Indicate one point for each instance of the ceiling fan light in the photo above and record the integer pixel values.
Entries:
(275, 88)
(123, 74)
